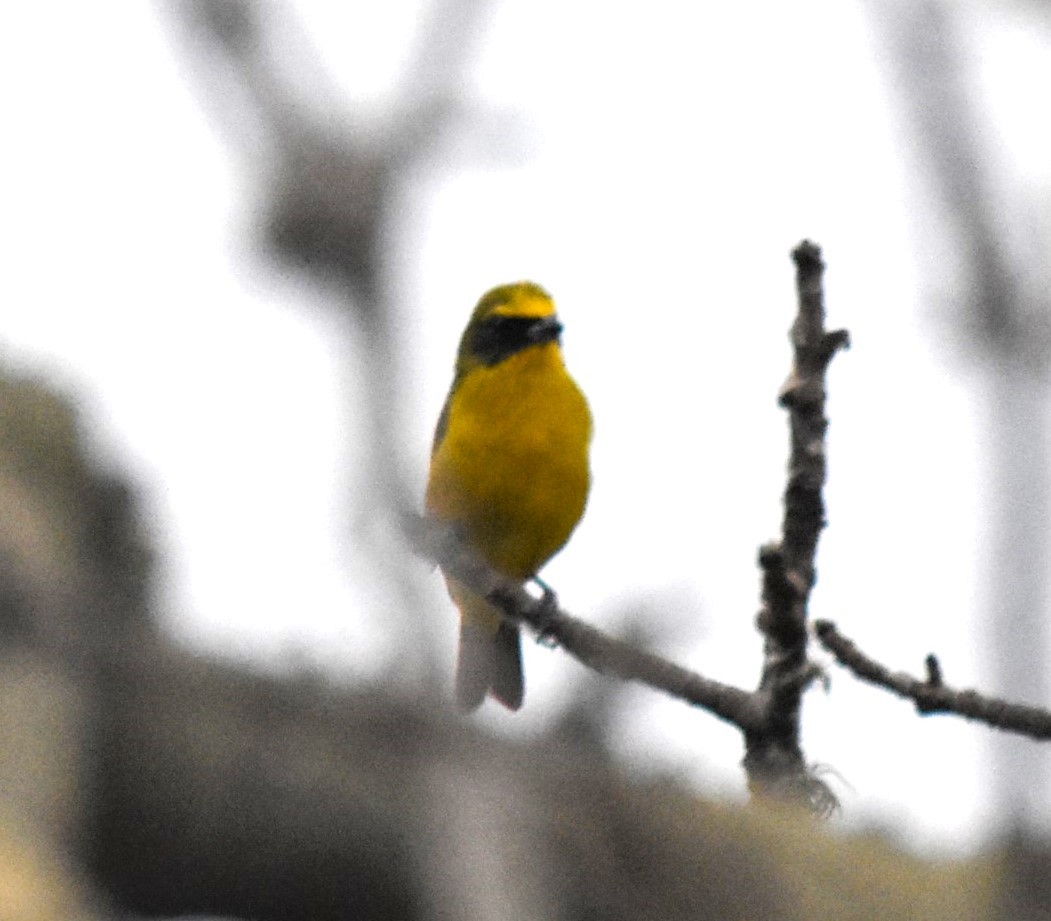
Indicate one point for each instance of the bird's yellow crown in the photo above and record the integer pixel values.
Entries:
(520, 299)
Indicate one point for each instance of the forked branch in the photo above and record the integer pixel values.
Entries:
(769, 715)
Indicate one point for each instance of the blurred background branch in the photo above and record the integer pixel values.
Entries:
(993, 231)
(331, 185)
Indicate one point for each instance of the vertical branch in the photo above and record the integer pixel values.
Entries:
(803, 395)
(774, 758)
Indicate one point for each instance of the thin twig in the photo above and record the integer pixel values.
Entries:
(932, 695)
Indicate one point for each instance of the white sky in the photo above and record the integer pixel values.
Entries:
(664, 166)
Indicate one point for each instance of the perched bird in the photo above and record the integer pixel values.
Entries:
(509, 466)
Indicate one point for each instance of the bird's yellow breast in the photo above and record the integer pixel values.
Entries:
(511, 467)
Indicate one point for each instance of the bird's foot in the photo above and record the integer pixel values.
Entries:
(546, 607)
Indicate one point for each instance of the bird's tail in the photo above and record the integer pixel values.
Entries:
(490, 658)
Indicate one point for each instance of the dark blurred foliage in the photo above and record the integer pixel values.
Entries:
(137, 776)
(75, 563)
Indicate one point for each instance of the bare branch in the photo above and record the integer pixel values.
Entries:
(589, 645)
(774, 759)
(931, 695)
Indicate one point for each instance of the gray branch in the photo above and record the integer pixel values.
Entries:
(768, 716)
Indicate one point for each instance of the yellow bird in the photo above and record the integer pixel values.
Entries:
(509, 466)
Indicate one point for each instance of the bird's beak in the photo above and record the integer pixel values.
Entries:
(545, 329)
